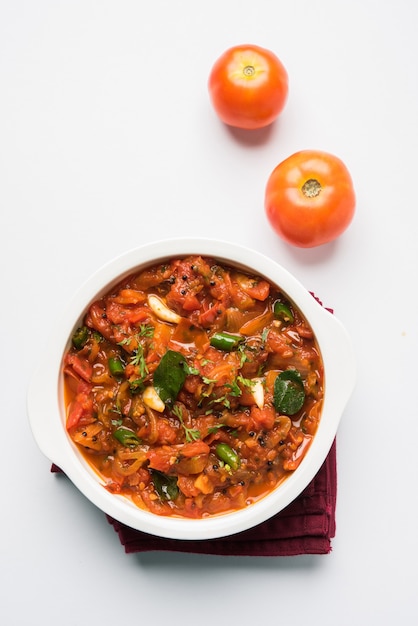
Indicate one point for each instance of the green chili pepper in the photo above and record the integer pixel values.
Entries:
(116, 367)
(226, 454)
(80, 337)
(289, 392)
(126, 437)
(225, 341)
(165, 486)
(283, 312)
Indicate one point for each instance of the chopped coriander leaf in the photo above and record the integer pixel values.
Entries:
(243, 356)
(145, 330)
(234, 388)
(125, 342)
(208, 381)
(138, 359)
(214, 429)
(247, 382)
(264, 335)
(192, 434)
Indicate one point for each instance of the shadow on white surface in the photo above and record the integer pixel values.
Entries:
(252, 138)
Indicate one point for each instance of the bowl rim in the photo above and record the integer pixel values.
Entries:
(50, 434)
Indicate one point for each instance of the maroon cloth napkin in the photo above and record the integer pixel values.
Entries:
(306, 526)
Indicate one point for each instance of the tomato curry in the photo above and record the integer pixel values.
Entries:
(193, 388)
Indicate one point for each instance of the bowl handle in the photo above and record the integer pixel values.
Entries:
(44, 418)
(340, 346)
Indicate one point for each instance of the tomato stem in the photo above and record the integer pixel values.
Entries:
(249, 70)
(311, 188)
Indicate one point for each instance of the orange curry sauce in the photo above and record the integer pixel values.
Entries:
(172, 388)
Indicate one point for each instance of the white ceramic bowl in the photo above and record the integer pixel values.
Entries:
(47, 413)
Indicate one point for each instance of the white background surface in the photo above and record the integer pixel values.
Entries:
(108, 141)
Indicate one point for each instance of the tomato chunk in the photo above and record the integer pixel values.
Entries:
(200, 406)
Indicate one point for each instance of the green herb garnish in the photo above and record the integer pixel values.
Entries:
(289, 392)
(192, 434)
(165, 486)
(170, 375)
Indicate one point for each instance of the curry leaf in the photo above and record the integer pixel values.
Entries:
(170, 376)
(289, 393)
(165, 486)
(126, 437)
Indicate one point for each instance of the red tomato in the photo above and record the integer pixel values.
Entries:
(80, 366)
(248, 86)
(310, 199)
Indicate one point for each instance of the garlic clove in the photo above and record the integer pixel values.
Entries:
(258, 392)
(162, 311)
(151, 398)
